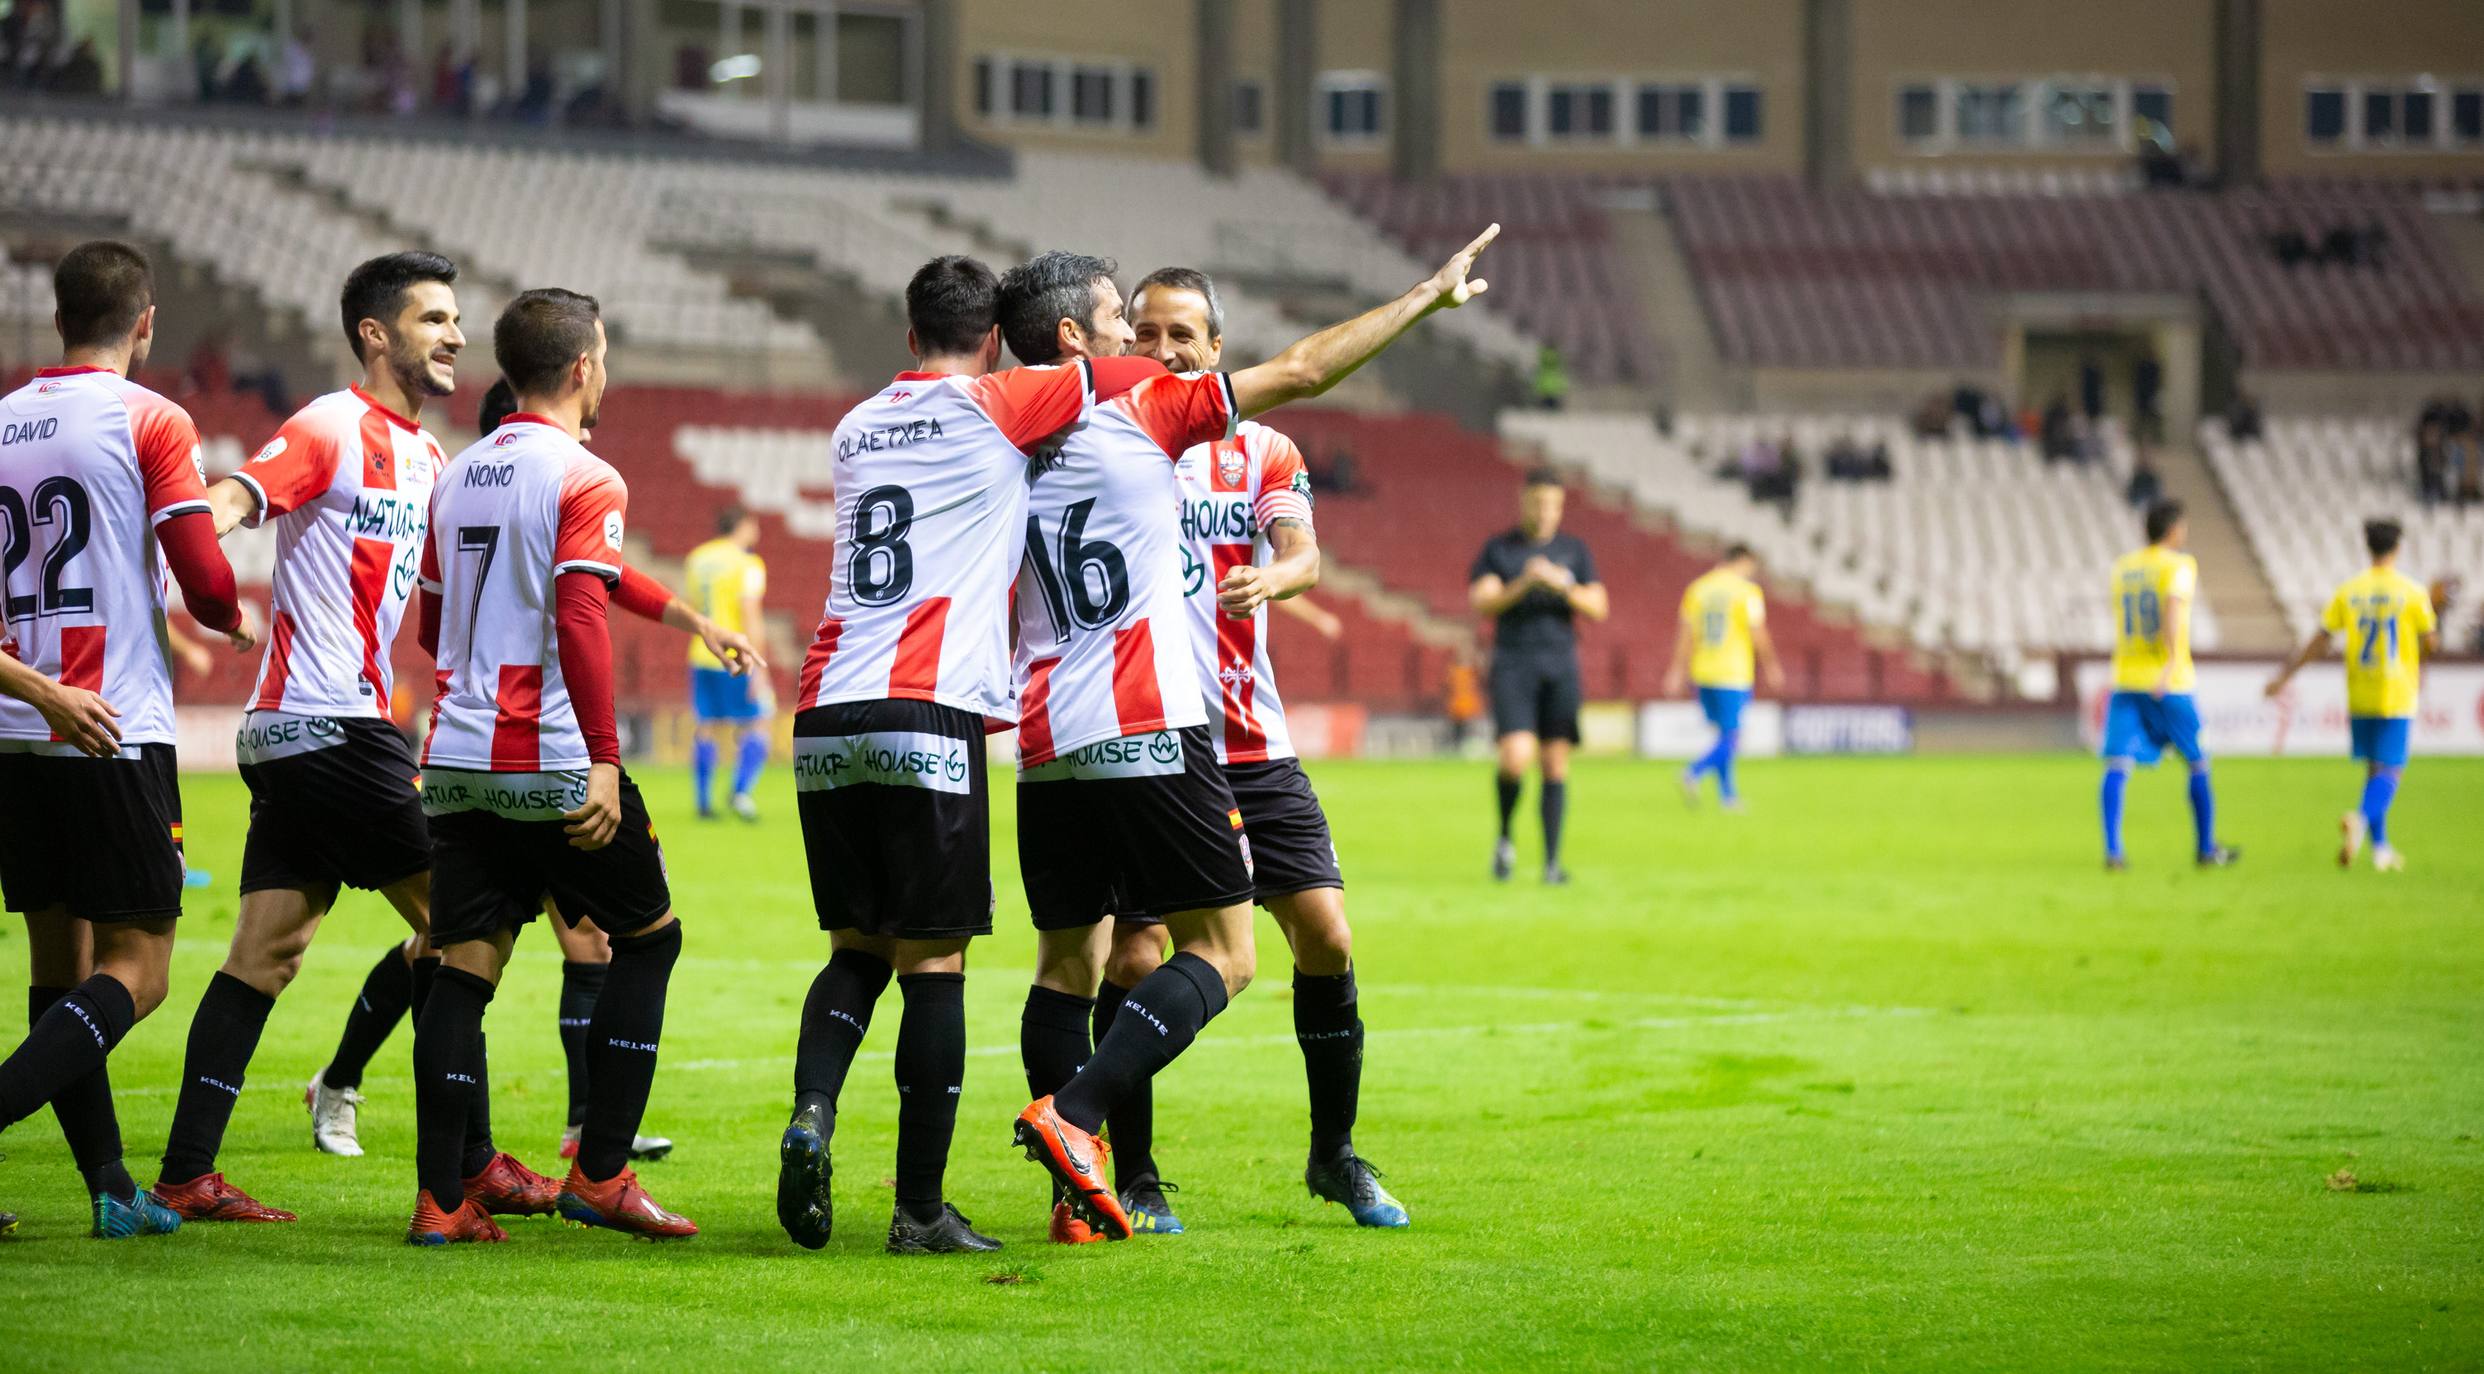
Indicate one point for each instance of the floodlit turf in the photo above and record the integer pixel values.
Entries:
(1885, 1073)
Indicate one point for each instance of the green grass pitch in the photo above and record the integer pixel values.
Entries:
(1886, 1073)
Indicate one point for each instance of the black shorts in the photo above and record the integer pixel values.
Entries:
(1144, 826)
(101, 837)
(1283, 829)
(346, 812)
(896, 818)
(491, 871)
(1536, 693)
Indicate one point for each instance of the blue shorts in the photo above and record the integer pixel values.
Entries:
(2381, 739)
(1723, 705)
(717, 695)
(2142, 727)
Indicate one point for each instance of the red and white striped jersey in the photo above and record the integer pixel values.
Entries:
(348, 483)
(930, 480)
(1103, 645)
(524, 505)
(90, 464)
(1232, 490)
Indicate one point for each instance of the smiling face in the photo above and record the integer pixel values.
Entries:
(1107, 334)
(422, 343)
(1170, 325)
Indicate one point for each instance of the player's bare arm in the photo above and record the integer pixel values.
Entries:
(1323, 622)
(2313, 648)
(593, 824)
(1293, 567)
(1764, 648)
(1312, 365)
(1490, 596)
(229, 503)
(79, 716)
(1677, 669)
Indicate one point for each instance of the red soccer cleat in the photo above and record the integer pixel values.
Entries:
(507, 1188)
(619, 1204)
(1076, 1161)
(1069, 1229)
(209, 1198)
(468, 1225)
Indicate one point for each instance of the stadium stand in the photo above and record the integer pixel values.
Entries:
(1974, 546)
(2302, 491)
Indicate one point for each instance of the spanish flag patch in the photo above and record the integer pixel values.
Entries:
(1234, 818)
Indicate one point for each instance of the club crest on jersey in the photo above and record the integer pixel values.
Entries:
(1230, 464)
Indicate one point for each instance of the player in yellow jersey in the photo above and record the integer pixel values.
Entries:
(2152, 709)
(2390, 622)
(1723, 635)
(724, 582)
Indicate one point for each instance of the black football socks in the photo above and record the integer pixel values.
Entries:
(1132, 1121)
(835, 1017)
(1157, 1021)
(1329, 1026)
(1555, 805)
(387, 994)
(581, 985)
(448, 1053)
(931, 1070)
(1505, 795)
(1052, 1042)
(622, 1037)
(224, 1033)
(87, 1120)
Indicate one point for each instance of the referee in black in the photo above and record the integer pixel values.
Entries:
(1532, 583)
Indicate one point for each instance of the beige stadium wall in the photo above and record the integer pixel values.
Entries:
(1896, 41)
(2300, 39)
(1486, 41)
(1163, 37)
(1355, 35)
(1254, 59)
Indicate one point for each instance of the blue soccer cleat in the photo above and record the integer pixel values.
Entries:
(802, 1174)
(1349, 1178)
(1150, 1214)
(143, 1215)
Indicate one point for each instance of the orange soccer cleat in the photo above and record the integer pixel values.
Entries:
(1076, 1161)
(507, 1188)
(1069, 1229)
(209, 1198)
(619, 1204)
(469, 1224)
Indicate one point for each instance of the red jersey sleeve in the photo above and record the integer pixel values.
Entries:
(294, 469)
(1031, 404)
(1284, 482)
(169, 461)
(1181, 412)
(594, 503)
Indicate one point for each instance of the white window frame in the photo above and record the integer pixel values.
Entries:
(1330, 83)
(1233, 108)
(2035, 99)
(2444, 88)
(1624, 90)
(1001, 93)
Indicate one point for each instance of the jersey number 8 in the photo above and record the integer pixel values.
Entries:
(880, 565)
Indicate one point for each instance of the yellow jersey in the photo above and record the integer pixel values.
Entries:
(2384, 615)
(720, 574)
(1721, 606)
(2146, 585)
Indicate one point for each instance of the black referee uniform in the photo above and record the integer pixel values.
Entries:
(1535, 679)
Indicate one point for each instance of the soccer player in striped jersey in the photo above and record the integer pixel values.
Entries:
(100, 494)
(2390, 622)
(1122, 807)
(725, 579)
(1248, 544)
(2152, 708)
(1723, 634)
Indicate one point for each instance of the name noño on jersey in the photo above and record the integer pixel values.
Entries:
(347, 483)
(509, 516)
(90, 463)
(1232, 490)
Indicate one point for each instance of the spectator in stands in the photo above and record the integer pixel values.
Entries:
(297, 70)
(2432, 474)
(81, 73)
(1345, 471)
(1552, 379)
(1931, 419)
(2146, 484)
(2242, 418)
(2091, 387)
(1843, 462)
(210, 372)
(2059, 441)
(1876, 466)
(2147, 388)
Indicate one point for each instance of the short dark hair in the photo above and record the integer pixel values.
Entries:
(376, 290)
(2382, 536)
(951, 304)
(1543, 477)
(540, 334)
(1036, 295)
(730, 518)
(499, 404)
(2162, 517)
(100, 289)
(1189, 279)
(1734, 552)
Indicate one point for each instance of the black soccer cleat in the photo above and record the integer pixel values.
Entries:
(802, 1174)
(1150, 1214)
(1504, 860)
(1556, 876)
(2221, 856)
(1348, 1178)
(950, 1234)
